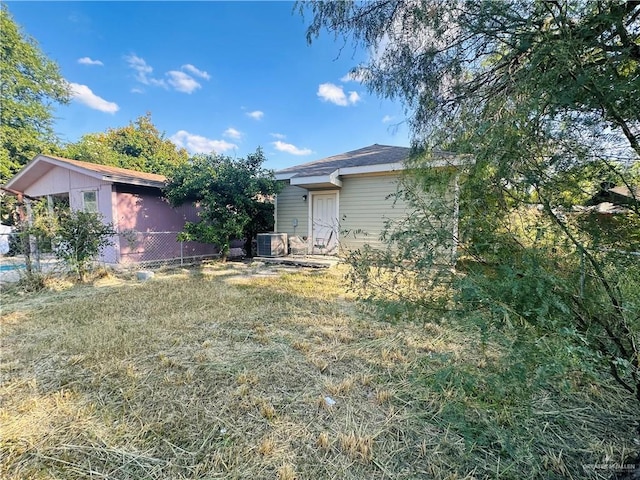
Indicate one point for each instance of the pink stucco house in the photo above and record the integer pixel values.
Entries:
(132, 201)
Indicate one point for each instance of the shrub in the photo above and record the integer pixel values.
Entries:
(81, 236)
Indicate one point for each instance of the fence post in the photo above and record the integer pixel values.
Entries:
(32, 250)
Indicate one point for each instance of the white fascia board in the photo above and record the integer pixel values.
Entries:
(133, 181)
(285, 176)
(16, 178)
(456, 161)
(380, 168)
(331, 179)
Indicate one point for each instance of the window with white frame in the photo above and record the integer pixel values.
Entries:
(90, 201)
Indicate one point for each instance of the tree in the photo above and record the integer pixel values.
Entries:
(30, 86)
(80, 236)
(545, 96)
(233, 196)
(76, 237)
(139, 146)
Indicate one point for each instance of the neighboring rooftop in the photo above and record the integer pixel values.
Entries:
(43, 163)
(621, 195)
(112, 171)
(624, 191)
(363, 157)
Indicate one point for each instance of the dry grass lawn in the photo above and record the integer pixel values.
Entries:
(211, 373)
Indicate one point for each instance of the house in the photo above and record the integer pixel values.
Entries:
(342, 202)
(611, 199)
(132, 201)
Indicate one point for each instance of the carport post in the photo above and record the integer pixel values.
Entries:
(31, 251)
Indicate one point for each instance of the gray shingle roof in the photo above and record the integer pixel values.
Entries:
(372, 155)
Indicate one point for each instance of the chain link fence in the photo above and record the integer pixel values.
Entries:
(128, 249)
(159, 248)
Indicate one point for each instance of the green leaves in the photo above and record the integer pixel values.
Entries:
(233, 195)
(80, 237)
(30, 84)
(545, 96)
(139, 146)
(74, 236)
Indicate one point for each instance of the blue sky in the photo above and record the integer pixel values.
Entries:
(223, 76)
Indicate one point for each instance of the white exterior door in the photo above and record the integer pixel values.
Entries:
(324, 223)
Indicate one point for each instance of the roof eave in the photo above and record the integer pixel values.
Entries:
(285, 176)
(14, 182)
(318, 181)
(133, 181)
(380, 168)
(84, 171)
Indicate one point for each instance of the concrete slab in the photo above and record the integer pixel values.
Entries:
(313, 261)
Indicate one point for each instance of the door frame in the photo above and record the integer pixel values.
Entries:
(310, 216)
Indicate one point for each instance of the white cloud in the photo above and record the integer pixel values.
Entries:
(256, 114)
(232, 133)
(137, 90)
(292, 149)
(182, 82)
(143, 71)
(332, 93)
(177, 79)
(89, 61)
(199, 144)
(140, 66)
(387, 119)
(84, 95)
(279, 136)
(196, 71)
(329, 92)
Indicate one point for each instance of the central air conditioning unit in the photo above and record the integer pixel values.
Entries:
(272, 244)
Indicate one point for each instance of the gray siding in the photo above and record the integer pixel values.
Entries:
(290, 206)
(364, 207)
